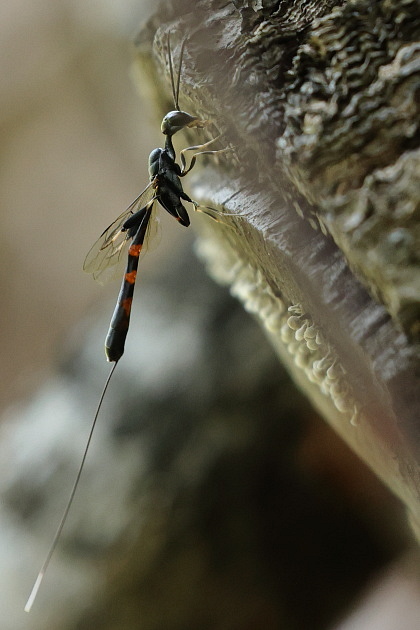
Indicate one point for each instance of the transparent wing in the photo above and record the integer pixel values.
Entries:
(114, 271)
(154, 233)
(109, 248)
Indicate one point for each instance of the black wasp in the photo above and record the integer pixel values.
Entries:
(165, 188)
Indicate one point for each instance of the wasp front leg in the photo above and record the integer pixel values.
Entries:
(198, 148)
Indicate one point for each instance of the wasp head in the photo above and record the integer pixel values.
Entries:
(176, 120)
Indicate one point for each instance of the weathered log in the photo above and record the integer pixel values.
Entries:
(317, 100)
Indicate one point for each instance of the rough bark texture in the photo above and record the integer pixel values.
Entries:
(318, 100)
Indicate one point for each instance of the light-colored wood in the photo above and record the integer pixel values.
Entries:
(323, 251)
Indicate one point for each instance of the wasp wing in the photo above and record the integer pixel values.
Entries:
(108, 249)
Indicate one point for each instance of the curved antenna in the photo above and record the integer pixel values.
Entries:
(175, 91)
(44, 567)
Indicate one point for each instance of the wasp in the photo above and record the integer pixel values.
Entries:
(130, 230)
(164, 188)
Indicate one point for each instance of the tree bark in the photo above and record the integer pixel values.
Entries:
(317, 101)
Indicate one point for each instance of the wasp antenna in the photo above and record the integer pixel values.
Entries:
(181, 54)
(171, 70)
(175, 90)
(48, 557)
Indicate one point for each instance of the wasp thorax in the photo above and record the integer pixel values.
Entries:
(175, 121)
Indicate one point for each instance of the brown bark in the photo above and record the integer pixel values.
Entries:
(318, 101)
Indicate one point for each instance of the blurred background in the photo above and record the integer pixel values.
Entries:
(188, 516)
(74, 144)
(75, 137)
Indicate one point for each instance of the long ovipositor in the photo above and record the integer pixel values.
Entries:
(164, 187)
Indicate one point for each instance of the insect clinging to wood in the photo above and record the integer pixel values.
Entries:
(164, 187)
(130, 229)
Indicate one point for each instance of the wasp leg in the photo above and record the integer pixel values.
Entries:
(198, 148)
(194, 157)
(211, 212)
(170, 199)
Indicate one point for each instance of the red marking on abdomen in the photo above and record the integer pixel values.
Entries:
(131, 277)
(135, 250)
(126, 304)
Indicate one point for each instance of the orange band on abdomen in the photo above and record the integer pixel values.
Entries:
(135, 250)
(126, 304)
(131, 277)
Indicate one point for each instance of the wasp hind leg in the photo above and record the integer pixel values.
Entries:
(208, 210)
(216, 215)
(174, 207)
